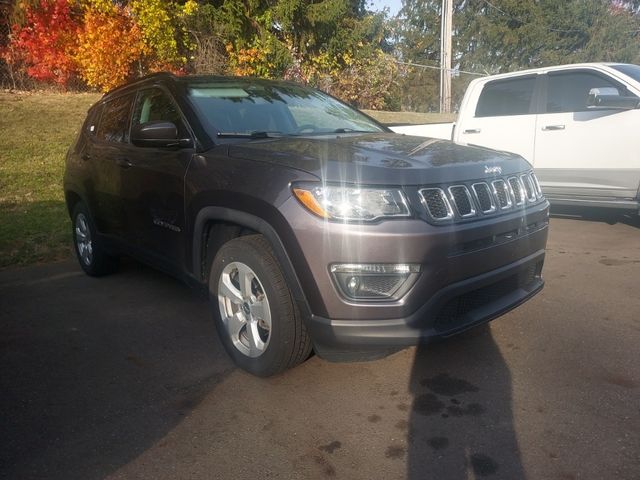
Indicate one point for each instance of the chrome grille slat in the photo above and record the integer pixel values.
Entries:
(484, 197)
(501, 191)
(529, 189)
(436, 203)
(461, 200)
(517, 190)
(536, 184)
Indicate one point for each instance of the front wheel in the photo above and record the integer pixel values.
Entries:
(256, 317)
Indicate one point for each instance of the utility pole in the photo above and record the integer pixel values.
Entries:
(445, 56)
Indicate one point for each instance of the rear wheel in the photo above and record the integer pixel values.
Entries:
(93, 259)
(255, 314)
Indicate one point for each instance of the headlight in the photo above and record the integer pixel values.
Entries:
(352, 203)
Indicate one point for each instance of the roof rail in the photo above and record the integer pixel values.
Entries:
(139, 80)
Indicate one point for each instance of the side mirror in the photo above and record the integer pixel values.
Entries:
(158, 134)
(609, 98)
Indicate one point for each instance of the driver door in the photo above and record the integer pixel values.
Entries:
(154, 184)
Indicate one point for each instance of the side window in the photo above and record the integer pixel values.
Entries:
(114, 121)
(568, 92)
(155, 105)
(506, 97)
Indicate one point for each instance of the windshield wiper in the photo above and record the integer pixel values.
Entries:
(247, 134)
(351, 130)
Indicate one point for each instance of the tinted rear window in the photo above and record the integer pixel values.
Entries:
(506, 97)
(114, 122)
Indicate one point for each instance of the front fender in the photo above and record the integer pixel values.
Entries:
(283, 243)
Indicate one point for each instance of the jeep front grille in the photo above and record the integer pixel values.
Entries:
(466, 201)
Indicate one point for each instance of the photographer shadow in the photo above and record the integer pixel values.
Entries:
(461, 421)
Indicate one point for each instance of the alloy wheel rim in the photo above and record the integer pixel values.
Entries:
(83, 239)
(244, 309)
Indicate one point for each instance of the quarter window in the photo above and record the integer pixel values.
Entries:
(506, 97)
(114, 121)
(90, 124)
(568, 92)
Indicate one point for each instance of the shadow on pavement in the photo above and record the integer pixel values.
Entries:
(593, 214)
(90, 379)
(461, 422)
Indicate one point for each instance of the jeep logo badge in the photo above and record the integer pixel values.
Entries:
(493, 170)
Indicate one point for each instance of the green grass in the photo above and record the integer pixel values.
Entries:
(35, 133)
(36, 129)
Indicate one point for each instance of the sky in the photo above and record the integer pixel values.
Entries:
(394, 5)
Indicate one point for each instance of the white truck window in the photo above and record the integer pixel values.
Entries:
(506, 97)
(568, 92)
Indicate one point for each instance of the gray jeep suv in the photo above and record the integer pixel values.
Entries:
(311, 225)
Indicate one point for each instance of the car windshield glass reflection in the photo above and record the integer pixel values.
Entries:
(245, 110)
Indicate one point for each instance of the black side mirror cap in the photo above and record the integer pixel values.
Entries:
(158, 134)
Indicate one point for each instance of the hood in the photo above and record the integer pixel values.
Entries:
(381, 158)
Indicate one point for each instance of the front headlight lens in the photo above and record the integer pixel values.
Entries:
(353, 203)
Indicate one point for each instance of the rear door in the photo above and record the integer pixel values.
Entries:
(504, 116)
(105, 151)
(585, 154)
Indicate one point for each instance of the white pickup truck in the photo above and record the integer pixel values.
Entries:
(578, 125)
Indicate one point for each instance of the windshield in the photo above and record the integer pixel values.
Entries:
(629, 70)
(244, 108)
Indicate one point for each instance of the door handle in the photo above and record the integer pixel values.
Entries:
(123, 163)
(547, 128)
(471, 130)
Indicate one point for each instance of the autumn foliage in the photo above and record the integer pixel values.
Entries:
(46, 43)
(109, 44)
(100, 42)
(334, 44)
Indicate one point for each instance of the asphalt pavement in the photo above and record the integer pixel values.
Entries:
(124, 377)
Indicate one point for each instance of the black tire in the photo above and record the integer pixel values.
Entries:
(93, 258)
(286, 342)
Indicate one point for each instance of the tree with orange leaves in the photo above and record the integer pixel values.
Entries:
(109, 45)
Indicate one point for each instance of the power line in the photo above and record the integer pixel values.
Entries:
(433, 67)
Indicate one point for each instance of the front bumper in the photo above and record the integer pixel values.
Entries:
(451, 310)
(470, 273)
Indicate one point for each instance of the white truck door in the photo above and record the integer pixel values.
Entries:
(586, 155)
(499, 114)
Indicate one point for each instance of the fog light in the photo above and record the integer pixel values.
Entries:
(374, 281)
(352, 285)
